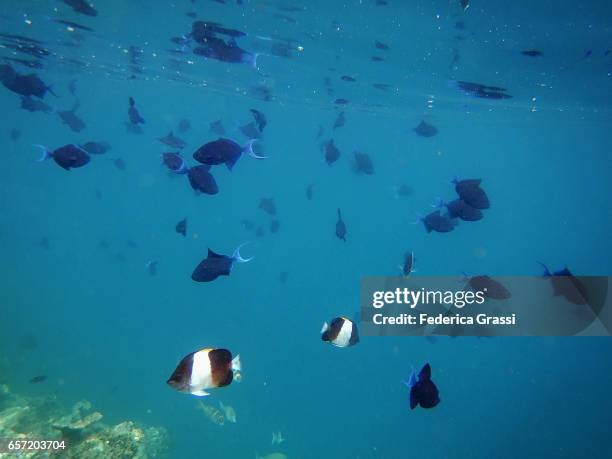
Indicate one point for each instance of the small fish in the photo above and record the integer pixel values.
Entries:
(67, 157)
(216, 127)
(465, 4)
(362, 163)
(380, 45)
(215, 265)
(96, 148)
(382, 86)
(74, 25)
(340, 121)
(437, 222)
(44, 243)
(460, 209)
(181, 227)
(133, 114)
(205, 369)
(407, 267)
(341, 101)
(172, 141)
(70, 118)
(469, 190)
(532, 53)
(213, 414)
(38, 379)
(340, 332)
(224, 151)
(202, 180)
(119, 164)
(340, 227)
(348, 78)
(152, 267)
(184, 125)
(268, 206)
(424, 129)
(229, 412)
(260, 119)
(174, 162)
(565, 284)
(376, 59)
(274, 226)
(481, 91)
(309, 192)
(24, 85)
(81, 6)
(34, 105)
(491, 288)
(332, 154)
(423, 391)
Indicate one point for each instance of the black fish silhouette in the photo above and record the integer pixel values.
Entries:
(172, 141)
(67, 157)
(340, 227)
(133, 114)
(202, 180)
(215, 265)
(181, 227)
(425, 129)
(423, 391)
(332, 154)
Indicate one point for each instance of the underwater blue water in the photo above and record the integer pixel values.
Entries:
(109, 332)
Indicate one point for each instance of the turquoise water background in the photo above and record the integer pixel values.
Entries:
(109, 332)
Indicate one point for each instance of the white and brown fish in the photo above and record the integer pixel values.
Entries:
(205, 369)
(341, 332)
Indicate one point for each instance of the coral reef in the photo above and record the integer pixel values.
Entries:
(85, 436)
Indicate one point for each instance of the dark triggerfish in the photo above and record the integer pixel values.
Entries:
(423, 391)
(215, 265)
(67, 157)
(224, 151)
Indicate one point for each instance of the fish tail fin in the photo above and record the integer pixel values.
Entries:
(454, 180)
(546, 270)
(46, 154)
(239, 258)
(325, 327)
(236, 364)
(419, 219)
(183, 169)
(232, 162)
(248, 148)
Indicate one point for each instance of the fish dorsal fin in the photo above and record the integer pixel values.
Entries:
(212, 254)
(563, 272)
(425, 374)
